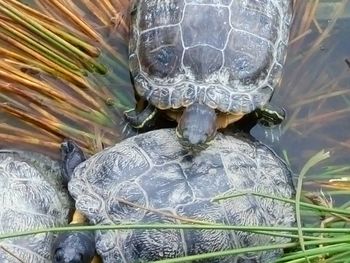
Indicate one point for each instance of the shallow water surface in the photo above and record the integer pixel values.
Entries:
(315, 91)
(315, 86)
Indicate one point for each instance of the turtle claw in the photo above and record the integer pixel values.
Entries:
(71, 156)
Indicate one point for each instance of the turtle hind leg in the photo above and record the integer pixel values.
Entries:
(270, 115)
(71, 156)
(141, 119)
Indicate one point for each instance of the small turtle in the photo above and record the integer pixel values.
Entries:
(151, 178)
(208, 62)
(32, 197)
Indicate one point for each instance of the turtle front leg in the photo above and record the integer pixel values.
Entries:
(141, 119)
(270, 115)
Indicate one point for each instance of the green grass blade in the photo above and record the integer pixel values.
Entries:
(320, 156)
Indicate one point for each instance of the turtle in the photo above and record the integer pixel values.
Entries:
(150, 178)
(32, 197)
(207, 63)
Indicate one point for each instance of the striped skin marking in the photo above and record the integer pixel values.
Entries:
(150, 117)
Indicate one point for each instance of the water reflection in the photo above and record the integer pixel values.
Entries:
(315, 87)
(83, 47)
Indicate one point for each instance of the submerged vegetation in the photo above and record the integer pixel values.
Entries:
(64, 73)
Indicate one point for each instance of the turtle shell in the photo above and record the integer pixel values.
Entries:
(31, 197)
(227, 54)
(154, 172)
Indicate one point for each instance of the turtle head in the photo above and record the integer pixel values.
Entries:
(74, 247)
(197, 126)
(71, 156)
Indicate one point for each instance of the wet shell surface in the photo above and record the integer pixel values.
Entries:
(227, 54)
(152, 170)
(31, 197)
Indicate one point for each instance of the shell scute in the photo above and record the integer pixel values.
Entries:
(92, 205)
(198, 241)
(203, 61)
(120, 211)
(203, 174)
(111, 166)
(168, 184)
(243, 103)
(159, 13)
(160, 98)
(254, 22)
(250, 57)
(215, 97)
(176, 93)
(162, 53)
(164, 152)
(189, 95)
(269, 7)
(150, 245)
(196, 29)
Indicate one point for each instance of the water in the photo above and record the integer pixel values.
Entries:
(91, 104)
(315, 89)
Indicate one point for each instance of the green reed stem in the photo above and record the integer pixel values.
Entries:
(286, 200)
(204, 226)
(254, 249)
